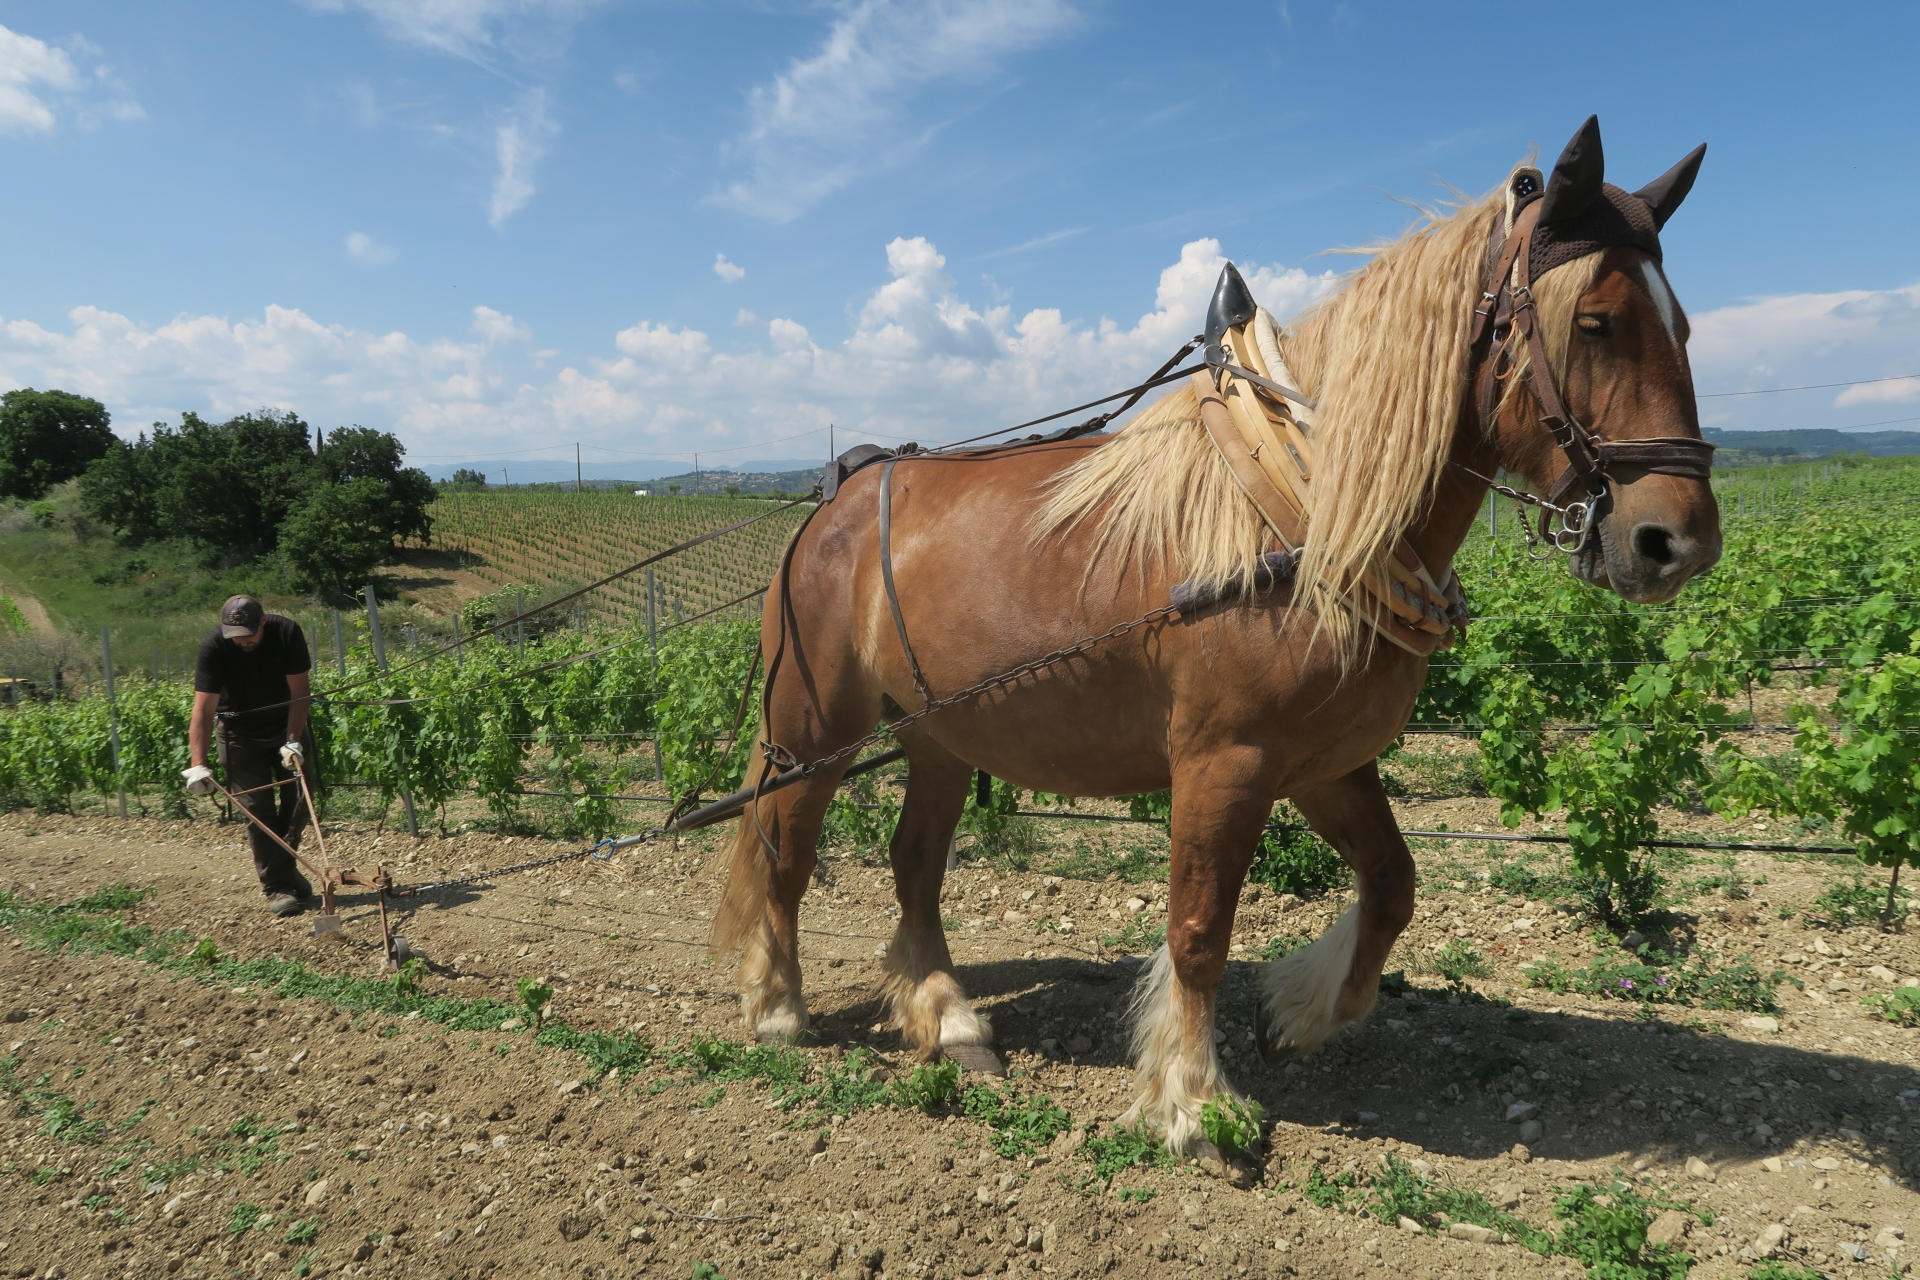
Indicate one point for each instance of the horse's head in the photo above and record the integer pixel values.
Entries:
(1612, 331)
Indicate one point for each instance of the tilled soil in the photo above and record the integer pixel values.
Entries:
(401, 1147)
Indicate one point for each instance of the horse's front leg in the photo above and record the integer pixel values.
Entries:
(928, 1003)
(1313, 992)
(1218, 811)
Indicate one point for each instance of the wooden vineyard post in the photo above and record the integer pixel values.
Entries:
(340, 644)
(380, 661)
(113, 718)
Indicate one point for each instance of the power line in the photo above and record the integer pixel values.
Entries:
(1812, 386)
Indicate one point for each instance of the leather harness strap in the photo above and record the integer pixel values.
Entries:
(886, 577)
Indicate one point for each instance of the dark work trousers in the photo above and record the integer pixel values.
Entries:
(255, 762)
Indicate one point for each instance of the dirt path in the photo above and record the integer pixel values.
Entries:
(32, 610)
(197, 1112)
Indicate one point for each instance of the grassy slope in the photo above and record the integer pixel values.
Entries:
(162, 594)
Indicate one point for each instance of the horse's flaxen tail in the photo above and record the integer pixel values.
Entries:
(743, 904)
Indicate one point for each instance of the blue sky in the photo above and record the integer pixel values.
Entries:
(501, 226)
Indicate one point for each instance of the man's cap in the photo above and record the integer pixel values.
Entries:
(241, 616)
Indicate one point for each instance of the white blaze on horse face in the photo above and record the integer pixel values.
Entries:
(1662, 297)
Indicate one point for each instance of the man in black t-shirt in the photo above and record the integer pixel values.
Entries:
(252, 678)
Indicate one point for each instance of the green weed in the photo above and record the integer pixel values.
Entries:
(243, 1217)
(1137, 862)
(1522, 879)
(1328, 1193)
(1652, 977)
(1021, 1125)
(165, 1171)
(304, 1232)
(932, 1085)
(1141, 936)
(66, 1120)
(1400, 1191)
(1902, 1006)
(1232, 1124)
(1137, 1195)
(1456, 962)
(1285, 944)
(1121, 1149)
(1606, 1230)
(1856, 901)
(1292, 859)
(704, 1270)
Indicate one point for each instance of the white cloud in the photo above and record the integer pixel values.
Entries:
(1802, 339)
(921, 362)
(34, 76)
(27, 64)
(728, 271)
(745, 319)
(841, 111)
(530, 34)
(472, 29)
(285, 359)
(520, 141)
(362, 247)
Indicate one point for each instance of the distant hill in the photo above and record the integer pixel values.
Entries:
(1814, 442)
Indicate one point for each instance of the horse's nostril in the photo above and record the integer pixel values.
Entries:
(1652, 542)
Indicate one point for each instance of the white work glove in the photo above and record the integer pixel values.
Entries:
(292, 757)
(199, 780)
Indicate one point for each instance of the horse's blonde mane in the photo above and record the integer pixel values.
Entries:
(1386, 356)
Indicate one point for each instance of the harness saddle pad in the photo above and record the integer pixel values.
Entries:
(1268, 447)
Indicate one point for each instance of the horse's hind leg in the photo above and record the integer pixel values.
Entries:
(929, 1006)
(759, 915)
(1317, 990)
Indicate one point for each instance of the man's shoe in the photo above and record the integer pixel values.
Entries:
(284, 904)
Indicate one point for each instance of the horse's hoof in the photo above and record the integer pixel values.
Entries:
(1238, 1171)
(974, 1057)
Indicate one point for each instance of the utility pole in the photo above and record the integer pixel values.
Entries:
(578, 485)
(696, 473)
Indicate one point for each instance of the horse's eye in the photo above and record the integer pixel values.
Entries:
(1593, 326)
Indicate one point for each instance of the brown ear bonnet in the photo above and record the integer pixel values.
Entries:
(1581, 213)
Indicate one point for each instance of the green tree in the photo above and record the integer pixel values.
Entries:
(467, 478)
(361, 453)
(335, 538)
(227, 485)
(47, 437)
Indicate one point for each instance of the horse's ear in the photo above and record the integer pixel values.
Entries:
(1664, 194)
(1576, 179)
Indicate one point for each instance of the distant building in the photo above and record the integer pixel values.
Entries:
(639, 493)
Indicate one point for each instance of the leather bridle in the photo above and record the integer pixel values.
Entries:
(1507, 321)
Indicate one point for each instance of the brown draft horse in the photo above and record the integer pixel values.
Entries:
(1005, 555)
